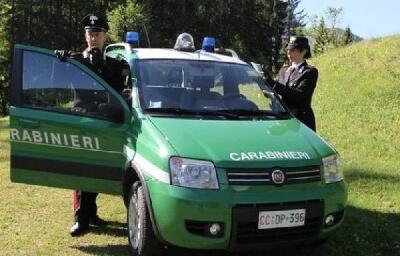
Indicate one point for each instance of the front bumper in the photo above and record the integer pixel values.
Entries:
(181, 214)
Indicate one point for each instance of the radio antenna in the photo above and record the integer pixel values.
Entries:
(147, 35)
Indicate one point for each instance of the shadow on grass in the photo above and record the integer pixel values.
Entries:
(104, 250)
(112, 229)
(352, 175)
(363, 233)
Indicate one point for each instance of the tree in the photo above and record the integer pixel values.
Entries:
(5, 55)
(126, 17)
(347, 36)
(321, 37)
(288, 21)
(295, 18)
(334, 16)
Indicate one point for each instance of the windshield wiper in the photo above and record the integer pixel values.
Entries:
(172, 111)
(226, 113)
(222, 112)
(256, 112)
(183, 111)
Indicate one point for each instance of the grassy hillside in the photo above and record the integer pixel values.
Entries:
(357, 105)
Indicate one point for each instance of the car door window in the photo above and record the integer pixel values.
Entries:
(50, 84)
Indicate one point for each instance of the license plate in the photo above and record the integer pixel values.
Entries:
(281, 219)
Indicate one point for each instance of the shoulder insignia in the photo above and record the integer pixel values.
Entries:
(76, 55)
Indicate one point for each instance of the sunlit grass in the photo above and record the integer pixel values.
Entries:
(358, 111)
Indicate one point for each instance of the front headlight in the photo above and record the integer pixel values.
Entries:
(332, 170)
(193, 173)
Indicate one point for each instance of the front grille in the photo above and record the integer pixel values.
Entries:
(245, 232)
(262, 176)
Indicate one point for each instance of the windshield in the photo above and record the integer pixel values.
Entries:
(193, 87)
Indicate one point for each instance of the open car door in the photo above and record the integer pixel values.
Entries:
(60, 130)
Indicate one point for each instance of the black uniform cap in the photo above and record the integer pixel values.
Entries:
(301, 43)
(95, 23)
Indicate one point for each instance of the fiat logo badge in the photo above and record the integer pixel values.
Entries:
(278, 177)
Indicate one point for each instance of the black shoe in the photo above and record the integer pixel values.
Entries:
(78, 229)
(96, 222)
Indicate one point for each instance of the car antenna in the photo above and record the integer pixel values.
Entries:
(147, 35)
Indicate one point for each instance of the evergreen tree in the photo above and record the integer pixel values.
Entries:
(321, 37)
(290, 21)
(294, 18)
(124, 18)
(347, 36)
(5, 55)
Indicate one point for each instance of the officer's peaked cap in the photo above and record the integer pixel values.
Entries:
(95, 22)
(299, 42)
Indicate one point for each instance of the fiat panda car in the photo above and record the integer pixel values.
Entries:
(205, 155)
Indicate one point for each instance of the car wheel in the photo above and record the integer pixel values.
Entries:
(141, 237)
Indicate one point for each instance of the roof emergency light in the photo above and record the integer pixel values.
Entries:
(184, 42)
(208, 44)
(132, 38)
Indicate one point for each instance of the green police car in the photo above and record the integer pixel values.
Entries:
(205, 155)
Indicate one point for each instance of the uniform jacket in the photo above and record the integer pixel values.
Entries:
(296, 86)
(109, 69)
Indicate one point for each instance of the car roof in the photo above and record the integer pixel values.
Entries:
(162, 53)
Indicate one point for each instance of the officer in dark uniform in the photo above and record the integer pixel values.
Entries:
(95, 27)
(296, 83)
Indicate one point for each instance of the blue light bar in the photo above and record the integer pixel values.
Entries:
(132, 38)
(208, 44)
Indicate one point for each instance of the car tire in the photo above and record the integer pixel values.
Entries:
(141, 237)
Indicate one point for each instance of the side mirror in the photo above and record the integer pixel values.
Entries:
(111, 112)
(258, 68)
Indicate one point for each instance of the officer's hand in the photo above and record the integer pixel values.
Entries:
(62, 54)
(268, 94)
(271, 95)
(95, 57)
(127, 94)
(268, 78)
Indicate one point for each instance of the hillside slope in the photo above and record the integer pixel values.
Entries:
(358, 96)
(357, 105)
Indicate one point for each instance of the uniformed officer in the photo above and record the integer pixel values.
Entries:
(296, 83)
(95, 27)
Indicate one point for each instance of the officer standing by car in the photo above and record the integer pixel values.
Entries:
(95, 27)
(296, 83)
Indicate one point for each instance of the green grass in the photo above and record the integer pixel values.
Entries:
(358, 111)
(357, 105)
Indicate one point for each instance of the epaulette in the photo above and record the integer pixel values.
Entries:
(75, 55)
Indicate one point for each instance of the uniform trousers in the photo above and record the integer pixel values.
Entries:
(85, 206)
